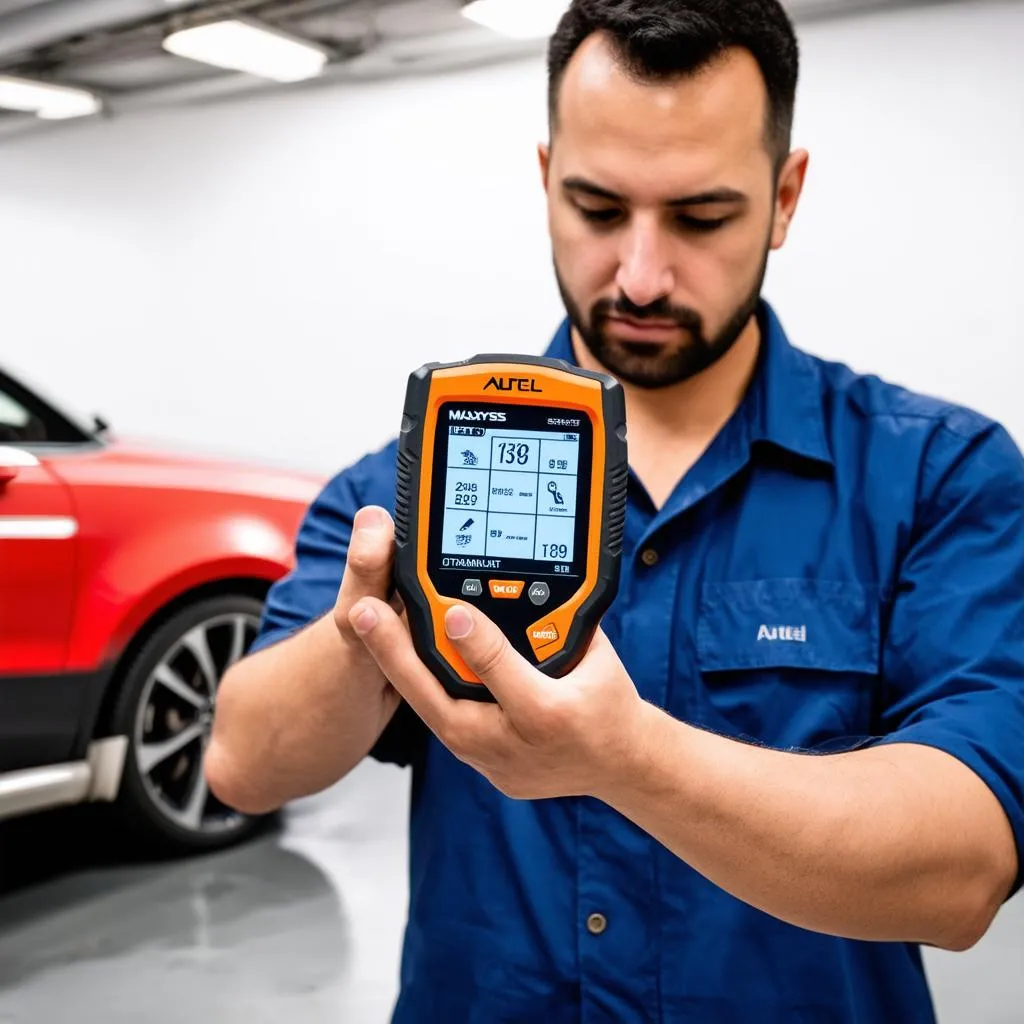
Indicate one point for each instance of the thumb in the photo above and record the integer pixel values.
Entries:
(368, 565)
(486, 650)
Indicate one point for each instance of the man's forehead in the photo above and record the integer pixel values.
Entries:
(603, 106)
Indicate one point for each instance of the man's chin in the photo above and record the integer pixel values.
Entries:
(644, 351)
(647, 357)
(646, 369)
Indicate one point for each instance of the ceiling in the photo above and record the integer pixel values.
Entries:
(114, 46)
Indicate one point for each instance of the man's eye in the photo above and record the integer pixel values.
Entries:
(700, 224)
(606, 216)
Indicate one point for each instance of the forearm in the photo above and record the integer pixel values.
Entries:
(887, 844)
(294, 719)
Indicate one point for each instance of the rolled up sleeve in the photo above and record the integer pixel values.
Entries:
(953, 657)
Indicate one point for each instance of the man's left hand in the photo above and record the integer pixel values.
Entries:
(545, 737)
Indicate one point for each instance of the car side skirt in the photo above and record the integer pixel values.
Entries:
(48, 719)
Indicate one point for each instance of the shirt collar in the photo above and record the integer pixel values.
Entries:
(784, 404)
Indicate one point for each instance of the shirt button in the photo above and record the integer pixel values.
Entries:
(596, 924)
(649, 557)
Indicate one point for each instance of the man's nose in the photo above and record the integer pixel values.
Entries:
(645, 271)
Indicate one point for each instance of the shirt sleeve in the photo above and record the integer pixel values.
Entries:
(309, 592)
(953, 659)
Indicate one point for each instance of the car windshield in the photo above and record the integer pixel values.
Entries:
(10, 407)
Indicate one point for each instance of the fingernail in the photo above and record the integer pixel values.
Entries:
(458, 624)
(369, 518)
(364, 621)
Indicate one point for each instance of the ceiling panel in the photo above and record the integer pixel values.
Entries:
(113, 46)
(10, 6)
(132, 73)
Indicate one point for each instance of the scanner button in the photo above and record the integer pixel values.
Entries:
(472, 588)
(543, 636)
(507, 590)
(539, 594)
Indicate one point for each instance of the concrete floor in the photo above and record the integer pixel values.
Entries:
(302, 924)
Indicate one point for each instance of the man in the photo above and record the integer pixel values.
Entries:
(796, 751)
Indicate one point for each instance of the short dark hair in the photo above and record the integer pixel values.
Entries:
(667, 39)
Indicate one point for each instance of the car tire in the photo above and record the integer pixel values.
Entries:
(165, 707)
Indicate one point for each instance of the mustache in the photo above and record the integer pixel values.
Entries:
(662, 309)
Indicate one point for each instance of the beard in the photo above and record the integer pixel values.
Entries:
(656, 365)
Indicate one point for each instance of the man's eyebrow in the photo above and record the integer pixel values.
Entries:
(717, 195)
(590, 189)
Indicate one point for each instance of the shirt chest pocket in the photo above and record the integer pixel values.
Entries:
(792, 663)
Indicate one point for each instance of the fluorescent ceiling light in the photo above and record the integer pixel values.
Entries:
(52, 102)
(518, 19)
(244, 46)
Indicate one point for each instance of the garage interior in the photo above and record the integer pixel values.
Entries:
(252, 268)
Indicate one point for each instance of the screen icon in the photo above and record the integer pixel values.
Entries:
(556, 493)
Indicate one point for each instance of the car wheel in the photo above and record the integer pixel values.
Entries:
(166, 708)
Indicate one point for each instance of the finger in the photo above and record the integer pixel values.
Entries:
(472, 731)
(368, 564)
(512, 680)
(387, 639)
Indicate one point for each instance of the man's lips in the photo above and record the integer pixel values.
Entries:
(644, 330)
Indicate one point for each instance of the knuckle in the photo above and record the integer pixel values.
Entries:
(461, 735)
(493, 656)
(454, 738)
(364, 559)
(347, 633)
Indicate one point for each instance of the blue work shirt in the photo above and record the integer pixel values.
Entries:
(843, 566)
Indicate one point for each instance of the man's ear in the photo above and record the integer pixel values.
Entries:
(787, 198)
(544, 155)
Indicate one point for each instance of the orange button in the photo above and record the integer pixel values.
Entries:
(544, 636)
(507, 590)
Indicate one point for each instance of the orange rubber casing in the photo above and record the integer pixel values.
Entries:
(560, 636)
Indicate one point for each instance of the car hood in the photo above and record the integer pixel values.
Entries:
(127, 462)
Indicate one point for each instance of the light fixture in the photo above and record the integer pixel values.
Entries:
(517, 19)
(250, 47)
(45, 100)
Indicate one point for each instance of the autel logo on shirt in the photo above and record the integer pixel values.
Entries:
(476, 417)
(796, 634)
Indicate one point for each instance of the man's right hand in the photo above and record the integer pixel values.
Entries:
(368, 573)
(368, 567)
(295, 718)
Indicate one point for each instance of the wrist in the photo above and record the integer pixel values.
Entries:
(629, 764)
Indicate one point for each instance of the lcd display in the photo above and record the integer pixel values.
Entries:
(511, 493)
(511, 487)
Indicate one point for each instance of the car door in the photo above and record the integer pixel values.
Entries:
(37, 560)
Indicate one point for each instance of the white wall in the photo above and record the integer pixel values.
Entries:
(260, 277)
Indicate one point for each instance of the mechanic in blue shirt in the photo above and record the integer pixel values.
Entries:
(796, 750)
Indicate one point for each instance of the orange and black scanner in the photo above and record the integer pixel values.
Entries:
(511, 496)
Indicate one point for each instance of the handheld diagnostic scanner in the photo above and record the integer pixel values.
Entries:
(511, 496)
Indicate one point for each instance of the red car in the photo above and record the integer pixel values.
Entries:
(130, 579)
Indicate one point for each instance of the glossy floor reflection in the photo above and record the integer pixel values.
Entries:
(302, 925)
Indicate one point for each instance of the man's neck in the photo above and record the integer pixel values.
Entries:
(670, 428)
